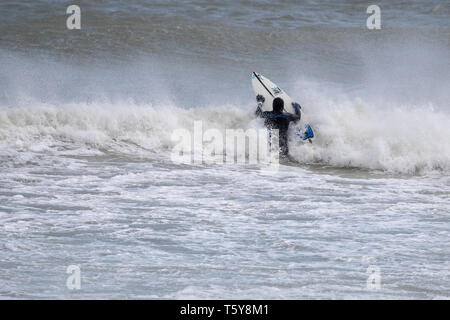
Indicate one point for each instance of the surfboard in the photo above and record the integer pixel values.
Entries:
(269, 90)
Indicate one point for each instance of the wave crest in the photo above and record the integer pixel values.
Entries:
(348, 134)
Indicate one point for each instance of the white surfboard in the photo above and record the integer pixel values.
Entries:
(269, 90)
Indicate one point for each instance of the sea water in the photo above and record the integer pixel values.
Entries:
(87, 181)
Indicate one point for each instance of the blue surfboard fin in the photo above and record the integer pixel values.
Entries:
(306, 133)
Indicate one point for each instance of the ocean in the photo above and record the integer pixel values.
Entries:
(88, 181)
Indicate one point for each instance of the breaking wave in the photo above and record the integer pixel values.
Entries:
(405, 139)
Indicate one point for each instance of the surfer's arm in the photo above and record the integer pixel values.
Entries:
(297, 115)
(260, 100)
(259, 112)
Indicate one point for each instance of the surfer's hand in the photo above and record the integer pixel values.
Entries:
(260, 98)
(296, 105)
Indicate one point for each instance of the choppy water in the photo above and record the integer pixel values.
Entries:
(86, 176)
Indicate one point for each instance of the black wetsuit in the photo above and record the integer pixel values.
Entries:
(280, 121)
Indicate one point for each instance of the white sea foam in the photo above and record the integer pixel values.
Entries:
(407, 139)
(349, 133)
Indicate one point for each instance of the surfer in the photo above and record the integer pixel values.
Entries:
(277, 119)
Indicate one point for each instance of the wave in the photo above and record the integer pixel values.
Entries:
(108, 127)
(404, 139)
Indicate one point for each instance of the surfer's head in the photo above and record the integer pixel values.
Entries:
(278, 105)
